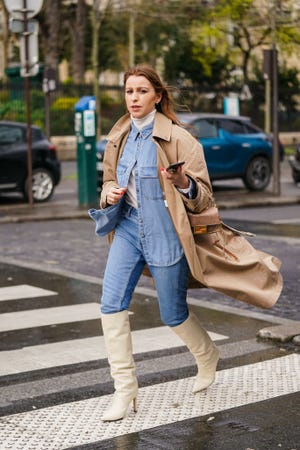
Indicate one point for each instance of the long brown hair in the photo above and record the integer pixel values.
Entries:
(166, 105)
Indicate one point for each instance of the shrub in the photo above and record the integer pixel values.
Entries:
(62, 116)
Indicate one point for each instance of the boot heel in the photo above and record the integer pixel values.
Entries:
(134, 401)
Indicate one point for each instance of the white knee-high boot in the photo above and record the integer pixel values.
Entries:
(203, 349)
(117, 336)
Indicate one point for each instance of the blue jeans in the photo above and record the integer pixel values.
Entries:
(124, 267)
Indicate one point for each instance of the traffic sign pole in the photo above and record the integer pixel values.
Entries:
(27, 97)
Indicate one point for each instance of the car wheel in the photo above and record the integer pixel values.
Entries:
(258, 174)
(42, 185)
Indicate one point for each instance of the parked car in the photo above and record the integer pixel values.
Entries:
(233, 146)
(46, 169)
(294, 161)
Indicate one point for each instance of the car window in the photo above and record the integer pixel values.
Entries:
(251, 129)
(232, 126)
(206, 128)
(10, 135)
(36, 134)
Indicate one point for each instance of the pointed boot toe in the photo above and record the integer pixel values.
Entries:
(118, 408)
(202, 348)
(206, 372)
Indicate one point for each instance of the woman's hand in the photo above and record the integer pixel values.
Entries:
(114, 195)
(178, 178)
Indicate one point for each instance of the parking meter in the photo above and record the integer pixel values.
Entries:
(85, 130)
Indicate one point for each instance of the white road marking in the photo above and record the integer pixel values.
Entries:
(83, 350)
(73, 424)
(23, 291)
(49, 316)
(295, 220)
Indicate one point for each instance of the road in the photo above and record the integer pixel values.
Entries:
(55, 382)
(54, 377)
(71, 245)
(75, 247)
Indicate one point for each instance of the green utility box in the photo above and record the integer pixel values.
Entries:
(85, 129)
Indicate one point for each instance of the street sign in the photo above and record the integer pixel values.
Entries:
(18, 26)
(29, 67)
(49, 80)
(16, 8)
(245, 93)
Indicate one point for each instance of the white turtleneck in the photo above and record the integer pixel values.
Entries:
(144, 121)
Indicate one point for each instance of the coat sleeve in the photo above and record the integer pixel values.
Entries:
(109, 174)
(191, 151)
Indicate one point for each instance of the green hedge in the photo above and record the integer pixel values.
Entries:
(62, 102)
(13, 107)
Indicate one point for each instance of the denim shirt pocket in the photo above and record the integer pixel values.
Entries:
(150, 184)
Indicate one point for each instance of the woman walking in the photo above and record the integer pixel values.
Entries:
(151, 229)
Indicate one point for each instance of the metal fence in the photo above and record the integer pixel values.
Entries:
(57, 107)
(55, 110)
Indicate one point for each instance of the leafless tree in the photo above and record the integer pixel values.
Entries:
(77, 28)
(4, 37)
(50, 33)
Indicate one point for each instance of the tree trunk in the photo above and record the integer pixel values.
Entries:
(50, 21)
(96, 21)
(4, 43)
(78, 42)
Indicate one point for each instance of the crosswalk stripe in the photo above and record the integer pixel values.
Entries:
(23, 291)
(49, 316)
(72, 424)
(83, 350)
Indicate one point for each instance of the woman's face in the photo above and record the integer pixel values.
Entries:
(140, 96)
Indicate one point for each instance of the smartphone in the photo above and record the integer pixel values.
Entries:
(173, 167)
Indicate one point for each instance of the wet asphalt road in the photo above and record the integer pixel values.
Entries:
(72, 245)
(51, 377)
(55, 380)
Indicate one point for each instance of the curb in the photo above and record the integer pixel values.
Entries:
(44, 217)
(282, 333)
(66, 211)
(254, 202)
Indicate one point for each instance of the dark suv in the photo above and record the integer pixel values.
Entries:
(46, 170)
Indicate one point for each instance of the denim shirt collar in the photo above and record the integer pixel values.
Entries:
(144, 133)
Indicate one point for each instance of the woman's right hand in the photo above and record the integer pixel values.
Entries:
(114, 195)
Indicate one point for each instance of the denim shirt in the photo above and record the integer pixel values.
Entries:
(157, 234)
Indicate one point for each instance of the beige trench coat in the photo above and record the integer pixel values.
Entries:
(222, 260)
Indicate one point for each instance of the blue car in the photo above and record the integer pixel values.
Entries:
(233, 148)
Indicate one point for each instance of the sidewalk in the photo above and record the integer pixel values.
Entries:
(229, 194)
